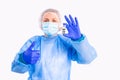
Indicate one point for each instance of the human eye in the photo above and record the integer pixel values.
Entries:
(46, 20)
(54, 20)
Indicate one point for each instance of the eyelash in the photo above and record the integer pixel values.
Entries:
(54, 20)
(48, 20)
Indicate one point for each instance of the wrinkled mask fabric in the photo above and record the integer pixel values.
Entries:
(50, 28)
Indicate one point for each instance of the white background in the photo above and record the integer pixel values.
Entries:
(99, 20)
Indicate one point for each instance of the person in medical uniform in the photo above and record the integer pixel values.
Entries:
(49, 56)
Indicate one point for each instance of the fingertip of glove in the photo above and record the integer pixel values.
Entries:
(65, 16)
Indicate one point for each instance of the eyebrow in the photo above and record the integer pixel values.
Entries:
(52, 19)
(47, 18)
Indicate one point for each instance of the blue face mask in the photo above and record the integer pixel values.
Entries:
(50, 28)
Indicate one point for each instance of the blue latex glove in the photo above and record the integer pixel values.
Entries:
(31, 56)
(72, 27)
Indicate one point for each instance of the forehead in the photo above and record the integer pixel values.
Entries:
(50, 15)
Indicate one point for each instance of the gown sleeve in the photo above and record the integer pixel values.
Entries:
(82, 51)
(18, 64)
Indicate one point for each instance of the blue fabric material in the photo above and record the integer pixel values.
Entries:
(56, 54)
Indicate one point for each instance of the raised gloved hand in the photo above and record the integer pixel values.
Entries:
(31, 56)
(72, 27)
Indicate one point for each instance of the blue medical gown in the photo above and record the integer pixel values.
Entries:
(56, 54)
